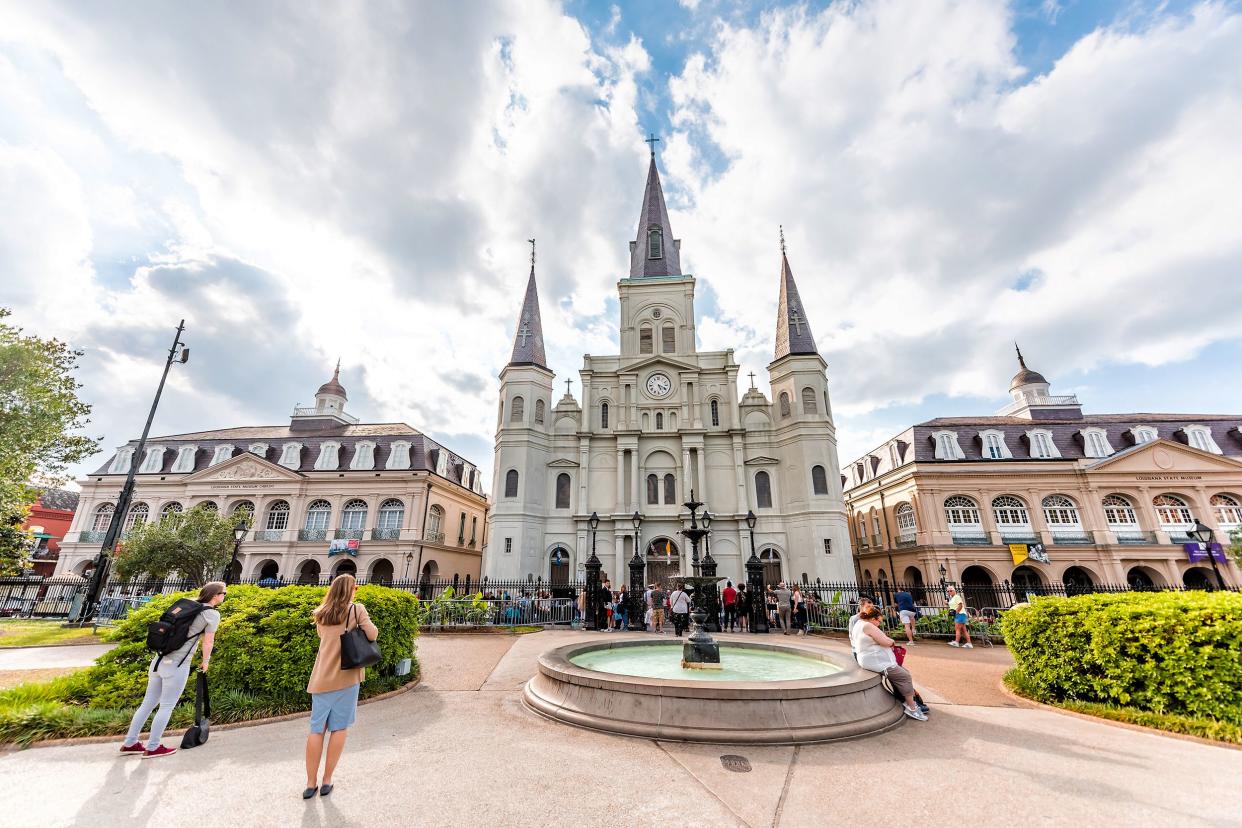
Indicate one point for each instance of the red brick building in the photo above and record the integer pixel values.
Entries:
(49, 519)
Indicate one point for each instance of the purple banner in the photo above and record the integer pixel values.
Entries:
(1198, 552)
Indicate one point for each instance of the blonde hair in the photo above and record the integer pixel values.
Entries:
(335, 604)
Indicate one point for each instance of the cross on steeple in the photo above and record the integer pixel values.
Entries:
(651, 140)
(752, 380)
(567, 382)
(532, 253)
(796, 320)
(782, 227)
(524, 331)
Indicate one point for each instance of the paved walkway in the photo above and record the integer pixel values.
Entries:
(40, 658)
(462, 751)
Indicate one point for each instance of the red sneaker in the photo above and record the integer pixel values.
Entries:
(159, 751)
(135, 748)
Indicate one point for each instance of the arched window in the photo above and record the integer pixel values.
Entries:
(645, 343)
(763, 490)
(653, 490)
(961, 511)
(562, 491)
(1228, 510)
(906, 525)
(1061, 513)
(354, 515)
(435, 522)
(391, 514)
(771, 560)
(243, 507)
(278, 516)
(655, 243)
(659, 421)
(1172, 512)
(1010, 512)
(670, 489)
(539, 409)
(819, 480)
(208, 506)
(317, 515)
(668, 339)
(137, 514)
(1119, 512)
(715, 406)
(103, 517)
(784, 399)
(808, 401)
(171, 508)
(517, 410)
(603, 415)
(511, 483)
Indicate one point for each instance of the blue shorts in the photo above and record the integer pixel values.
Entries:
(960, 618)
(333, 711)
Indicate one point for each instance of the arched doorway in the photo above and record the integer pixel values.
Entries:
(1198, 578)
(381, 572)
(308, 572)
(425, 578)
(1141, 578)
(346, 567)
(663, 561)
(558, 567)
(914, 584)
(1026, 583)
(978, 588)
(1078, 581)
(267, 570)
(771, 560)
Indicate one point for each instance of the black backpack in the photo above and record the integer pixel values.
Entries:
(172, 631)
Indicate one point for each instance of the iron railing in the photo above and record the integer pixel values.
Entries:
(386, 534)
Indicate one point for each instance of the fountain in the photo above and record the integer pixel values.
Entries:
(737, 692)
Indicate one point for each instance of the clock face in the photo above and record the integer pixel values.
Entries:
(659, 385)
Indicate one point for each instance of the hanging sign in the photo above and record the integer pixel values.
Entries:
(1017, 551)
(1036, 552)
(1021, 552)
(1197, 552)
(343, 547)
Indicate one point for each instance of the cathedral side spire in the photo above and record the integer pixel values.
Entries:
(793, 331)
(654, 251)
(528, 340)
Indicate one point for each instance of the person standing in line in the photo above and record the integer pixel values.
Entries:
(679, 605)
(167, 675)
(874, 651)
(957, 606)
(769, 603)
(603, 611)
(798, 606)
(729, 601)
(658, 600)
(743, 607)
(334, 691)
(621, 611)
(783, 599)
(909, 615)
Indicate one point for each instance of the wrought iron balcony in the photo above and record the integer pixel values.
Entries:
(1134, 536)
(347, 534)
(1071, 538)
(91, 537)
(907, 539)
(1018, 537)
(434, 537)
(269, 535)
(968, 538)
(312, 534)
(386, 534)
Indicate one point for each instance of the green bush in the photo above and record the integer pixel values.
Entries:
(1172, 653)
(264, 651)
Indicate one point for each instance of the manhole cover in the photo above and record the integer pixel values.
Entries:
(735, 763)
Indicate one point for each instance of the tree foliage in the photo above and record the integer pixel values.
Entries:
(39, 413)
(197, 545)
(1235, 546)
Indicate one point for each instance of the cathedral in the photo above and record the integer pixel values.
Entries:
(658, 422)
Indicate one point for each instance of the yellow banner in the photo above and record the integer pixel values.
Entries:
(1018, 551)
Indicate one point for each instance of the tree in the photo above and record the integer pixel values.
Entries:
(39, 411)
(1235, 546)
(196, 545)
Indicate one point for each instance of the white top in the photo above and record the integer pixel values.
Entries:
(870, 655)
(679, 601)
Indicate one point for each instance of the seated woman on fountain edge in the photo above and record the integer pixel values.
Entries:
(874, 651)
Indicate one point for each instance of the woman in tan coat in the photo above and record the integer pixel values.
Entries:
(334, 692)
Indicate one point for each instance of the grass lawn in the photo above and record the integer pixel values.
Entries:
(29, 633)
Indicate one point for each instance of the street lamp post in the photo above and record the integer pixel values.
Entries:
(638, 569)
(708, 568)
(99, 577)
(239, 534)
(593, 566)
(754, 581)
(409, 559)
(1205, 535)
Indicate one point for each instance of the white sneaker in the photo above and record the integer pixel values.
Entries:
(914, 713)
(954, 644)
(968, 646)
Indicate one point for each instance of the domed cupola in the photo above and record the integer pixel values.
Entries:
(329, 409)
(331, 397)
(1026, 376)
(1033, 400)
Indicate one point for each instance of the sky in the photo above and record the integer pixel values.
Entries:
(303, 182)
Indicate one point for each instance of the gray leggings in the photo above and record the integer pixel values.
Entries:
(164, 688)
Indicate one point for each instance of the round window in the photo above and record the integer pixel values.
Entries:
(657, 313)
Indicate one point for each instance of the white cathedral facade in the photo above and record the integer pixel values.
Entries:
(657, 421)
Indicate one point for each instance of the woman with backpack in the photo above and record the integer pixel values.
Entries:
(169, 670)
(334, 691)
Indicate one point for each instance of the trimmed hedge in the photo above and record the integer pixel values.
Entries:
(1174, 653)
(264, 652)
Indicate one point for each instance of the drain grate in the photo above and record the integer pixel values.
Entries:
(735, 763)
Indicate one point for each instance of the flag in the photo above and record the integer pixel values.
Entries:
(1017, 551)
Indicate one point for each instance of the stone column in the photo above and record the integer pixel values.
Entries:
(687, 480)
(702, 467)
(620, 504)
(584, 475)
(636, 475)
(739, 472)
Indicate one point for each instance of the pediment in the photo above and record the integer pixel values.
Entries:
(657, 360)
(1165, 457)
(245, 466)
(761, 461)
(562, 463)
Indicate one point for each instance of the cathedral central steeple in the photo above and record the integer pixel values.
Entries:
(654, 252)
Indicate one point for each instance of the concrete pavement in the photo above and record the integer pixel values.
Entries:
(462, 751)
(40, 658)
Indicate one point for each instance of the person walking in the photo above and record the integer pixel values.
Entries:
(621, 609)
(168, 673)
(798, 606)
(783, 599)
(874, 651)
(334, 691)
(908, 614)
(658, 601)
(743, 607)
(957, 606)
(729, 599)
(679, 605)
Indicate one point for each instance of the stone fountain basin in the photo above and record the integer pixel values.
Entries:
(844, 705)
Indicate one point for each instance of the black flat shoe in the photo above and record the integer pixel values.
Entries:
(308, 793)
(324, 790)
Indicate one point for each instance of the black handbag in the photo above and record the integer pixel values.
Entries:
(356, 649)
(198, 732)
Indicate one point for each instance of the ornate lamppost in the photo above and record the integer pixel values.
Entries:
(1205, 536)
(239, 534)
(708, 566)
(754, 582)
(701, 650)
(593, 566)
(637, 586)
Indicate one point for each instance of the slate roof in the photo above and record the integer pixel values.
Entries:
(62, 499)
(654, 214)
(793, 330)
(528, 337)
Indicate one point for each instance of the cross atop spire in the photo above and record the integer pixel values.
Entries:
(793, 330)
(654, 251)
(528, 340)
(651, 140)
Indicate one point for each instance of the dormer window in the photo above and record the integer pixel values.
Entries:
(120, 464)
(1143, 434)
(1199, 437)
(399, 455)
(154, 461)
(947, 447)
(1042, 447)
(185, 459)
(258, 448)
(655, 243)
(328, 456)
(364, 456)
(1095, 442)
(221, 454)
(291, 455)
(994, 447)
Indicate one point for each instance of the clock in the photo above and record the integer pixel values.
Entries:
(659, 385)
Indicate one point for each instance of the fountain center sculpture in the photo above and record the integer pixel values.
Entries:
(701, 651)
